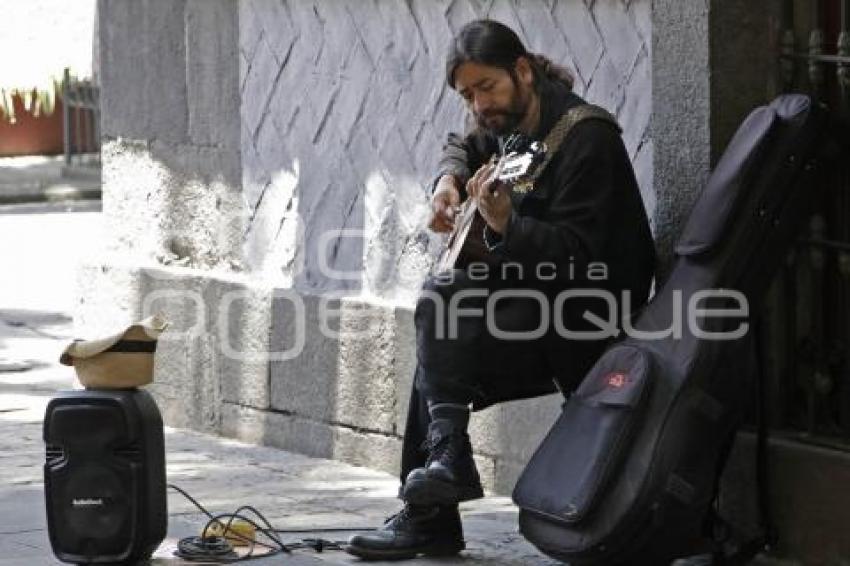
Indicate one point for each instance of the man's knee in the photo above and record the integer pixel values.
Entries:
(439, 295)
(433, 297)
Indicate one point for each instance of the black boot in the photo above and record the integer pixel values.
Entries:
(415, 530)
(449, 476)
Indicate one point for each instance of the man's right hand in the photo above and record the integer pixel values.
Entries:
(446, 198)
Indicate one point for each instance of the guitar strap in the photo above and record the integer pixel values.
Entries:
(559, 133)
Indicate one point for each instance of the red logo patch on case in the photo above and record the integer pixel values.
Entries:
(617, 380)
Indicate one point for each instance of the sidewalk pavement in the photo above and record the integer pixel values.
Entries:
(293, 491)
(35, 178)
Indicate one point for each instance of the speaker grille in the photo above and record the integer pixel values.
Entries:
(104, 476)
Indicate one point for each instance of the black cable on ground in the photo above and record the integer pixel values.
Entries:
(218, 549)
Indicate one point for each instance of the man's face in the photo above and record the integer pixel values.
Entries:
(497, 102)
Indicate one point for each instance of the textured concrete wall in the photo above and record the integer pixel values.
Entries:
(681, 114)
(193, 372)
(284, 121)
(740, 83)
(343, 397)
(713, 62)
(171, 173)
(236, 133)
(172, 195)
(809, 513)
(345, 106)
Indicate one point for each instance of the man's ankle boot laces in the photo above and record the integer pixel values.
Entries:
(449, 475)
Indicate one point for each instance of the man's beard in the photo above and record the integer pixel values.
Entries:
(510, 121)
(511, 117)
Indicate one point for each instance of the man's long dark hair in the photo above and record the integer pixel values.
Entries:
(488, 42)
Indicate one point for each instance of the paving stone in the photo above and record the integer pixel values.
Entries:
(293, 491)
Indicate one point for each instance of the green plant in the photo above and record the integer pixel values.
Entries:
(38, 99)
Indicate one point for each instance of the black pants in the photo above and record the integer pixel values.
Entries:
(474, 366)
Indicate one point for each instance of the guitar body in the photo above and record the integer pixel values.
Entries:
(522, 163)
(465, 244)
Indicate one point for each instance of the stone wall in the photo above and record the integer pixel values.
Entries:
(236, 133)
(170, 133)
(172, 194)
(681, 113)
(344, 108)
(243, 138)
(712, 63)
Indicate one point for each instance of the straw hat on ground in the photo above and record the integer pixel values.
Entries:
(122, 360)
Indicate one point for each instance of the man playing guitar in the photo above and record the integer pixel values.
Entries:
(577, 221)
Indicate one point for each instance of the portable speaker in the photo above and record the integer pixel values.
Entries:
(104, 476)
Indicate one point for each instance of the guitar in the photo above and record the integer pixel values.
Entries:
(465, 243)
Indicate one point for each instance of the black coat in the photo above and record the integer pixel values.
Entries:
(586, 208)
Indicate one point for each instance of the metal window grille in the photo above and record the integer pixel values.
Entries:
(807, 338)
(81, 121)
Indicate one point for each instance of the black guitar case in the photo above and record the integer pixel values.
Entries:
(627, 473)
